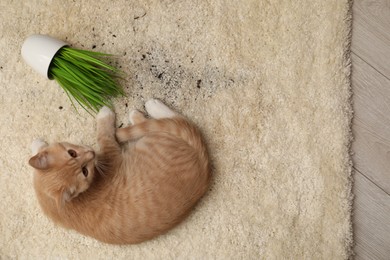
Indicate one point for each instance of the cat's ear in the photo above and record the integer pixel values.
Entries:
(36, 145)
(40, 161)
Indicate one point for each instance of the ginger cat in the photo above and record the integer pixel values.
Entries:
(144, 180)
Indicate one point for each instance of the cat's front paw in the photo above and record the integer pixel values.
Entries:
(104, 112)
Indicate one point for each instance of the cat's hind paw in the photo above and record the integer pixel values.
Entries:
(158, 109)
(136, 117)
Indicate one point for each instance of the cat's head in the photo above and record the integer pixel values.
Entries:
(63, 170)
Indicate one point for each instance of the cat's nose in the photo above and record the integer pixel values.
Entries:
(90, 154)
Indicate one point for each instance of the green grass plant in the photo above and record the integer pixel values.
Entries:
(86, 78)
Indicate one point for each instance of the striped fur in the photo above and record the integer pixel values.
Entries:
(144, 180)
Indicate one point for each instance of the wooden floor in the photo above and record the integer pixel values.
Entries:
(371, 128)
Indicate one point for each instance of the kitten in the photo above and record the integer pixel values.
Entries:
(144, 180)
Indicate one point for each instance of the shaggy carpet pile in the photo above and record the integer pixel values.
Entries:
(268, 83)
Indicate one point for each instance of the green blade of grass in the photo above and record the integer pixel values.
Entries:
(83, 99)
(75, 92)
(85, 78)
(83, 57)
(96, 77)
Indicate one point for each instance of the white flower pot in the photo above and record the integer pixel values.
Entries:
(39, 50)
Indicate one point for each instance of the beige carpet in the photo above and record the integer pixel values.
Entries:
(267, 82)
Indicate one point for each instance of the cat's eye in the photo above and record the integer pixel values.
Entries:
(72, 153)
(85, 171)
